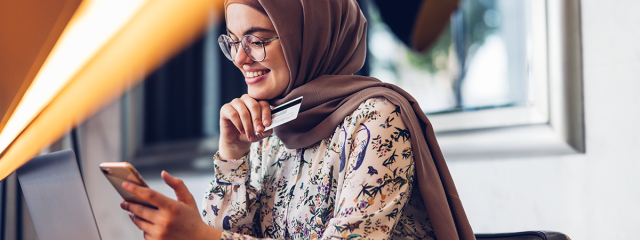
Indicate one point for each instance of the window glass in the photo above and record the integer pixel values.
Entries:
(480, 61)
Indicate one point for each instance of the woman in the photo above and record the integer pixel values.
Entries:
(347, 167)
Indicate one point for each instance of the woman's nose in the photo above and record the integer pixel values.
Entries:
(242, 57)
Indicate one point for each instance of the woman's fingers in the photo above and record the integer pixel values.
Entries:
(139, 210)
(255, 109)
(182, 193)
(266, 113)
(244, 115)
(146, 193)
(263, 135)
(229, 112)
(249, 116)
(173, 219)
(147, 236)
(245, 118)
(142, 224)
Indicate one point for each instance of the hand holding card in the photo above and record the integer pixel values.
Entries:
(285, 113)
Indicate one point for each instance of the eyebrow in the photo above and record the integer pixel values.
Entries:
(253, 30)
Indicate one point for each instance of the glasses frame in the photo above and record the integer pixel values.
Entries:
(239, 42)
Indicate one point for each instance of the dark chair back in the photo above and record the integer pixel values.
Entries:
(528, 235)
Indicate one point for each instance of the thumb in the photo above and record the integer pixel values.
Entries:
(265, 134)
(182, 193)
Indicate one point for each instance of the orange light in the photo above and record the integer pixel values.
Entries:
(107, 47)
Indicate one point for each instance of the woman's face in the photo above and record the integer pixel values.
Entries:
(243, 20)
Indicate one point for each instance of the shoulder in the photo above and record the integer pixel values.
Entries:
(379, 104)
(374, 117)
(373, 110)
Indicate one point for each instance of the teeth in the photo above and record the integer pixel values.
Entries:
(255, 74)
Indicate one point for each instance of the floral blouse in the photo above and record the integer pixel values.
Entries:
(355, 184)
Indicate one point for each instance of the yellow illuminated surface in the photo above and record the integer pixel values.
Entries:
(107, 46)
(95, 23)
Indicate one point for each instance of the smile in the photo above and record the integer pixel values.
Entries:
(256, 73)
(256, 76)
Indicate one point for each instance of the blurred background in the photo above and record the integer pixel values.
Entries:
(533, 103)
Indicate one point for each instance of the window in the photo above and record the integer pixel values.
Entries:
(503, 80)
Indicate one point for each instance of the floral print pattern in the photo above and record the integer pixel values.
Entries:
(354, 184)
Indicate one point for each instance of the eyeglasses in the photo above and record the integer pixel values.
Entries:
(253, 46)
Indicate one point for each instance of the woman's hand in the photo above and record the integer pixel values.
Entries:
(173, 219)
(242, 121)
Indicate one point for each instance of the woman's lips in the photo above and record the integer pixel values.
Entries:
(254, 80)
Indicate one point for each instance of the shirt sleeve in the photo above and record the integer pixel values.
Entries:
(231, 202)
(378, 174)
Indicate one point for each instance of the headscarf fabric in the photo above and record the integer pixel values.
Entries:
(324, 44)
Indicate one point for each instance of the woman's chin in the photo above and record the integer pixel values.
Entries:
(266, 89)
(260, 94)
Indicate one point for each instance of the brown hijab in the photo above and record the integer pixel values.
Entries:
(324, 43)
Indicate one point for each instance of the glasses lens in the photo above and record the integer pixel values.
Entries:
(254, 47)
(227, 47)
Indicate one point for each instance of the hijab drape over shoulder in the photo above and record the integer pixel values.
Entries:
(324, 43)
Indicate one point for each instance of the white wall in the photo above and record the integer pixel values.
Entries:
(589, 196)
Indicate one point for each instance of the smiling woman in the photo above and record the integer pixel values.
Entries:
(266, 77)
(346, 167)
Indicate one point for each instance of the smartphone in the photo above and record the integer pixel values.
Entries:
(118, 172)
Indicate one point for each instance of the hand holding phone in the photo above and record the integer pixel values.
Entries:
(118, 172)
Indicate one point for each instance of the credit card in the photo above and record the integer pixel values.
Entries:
(285, 113)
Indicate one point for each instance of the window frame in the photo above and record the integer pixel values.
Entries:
(554, 124)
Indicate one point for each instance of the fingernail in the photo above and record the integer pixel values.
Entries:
(259, 128)
(266, 122)
(125, 184)
(132, 216)
(123, 205)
